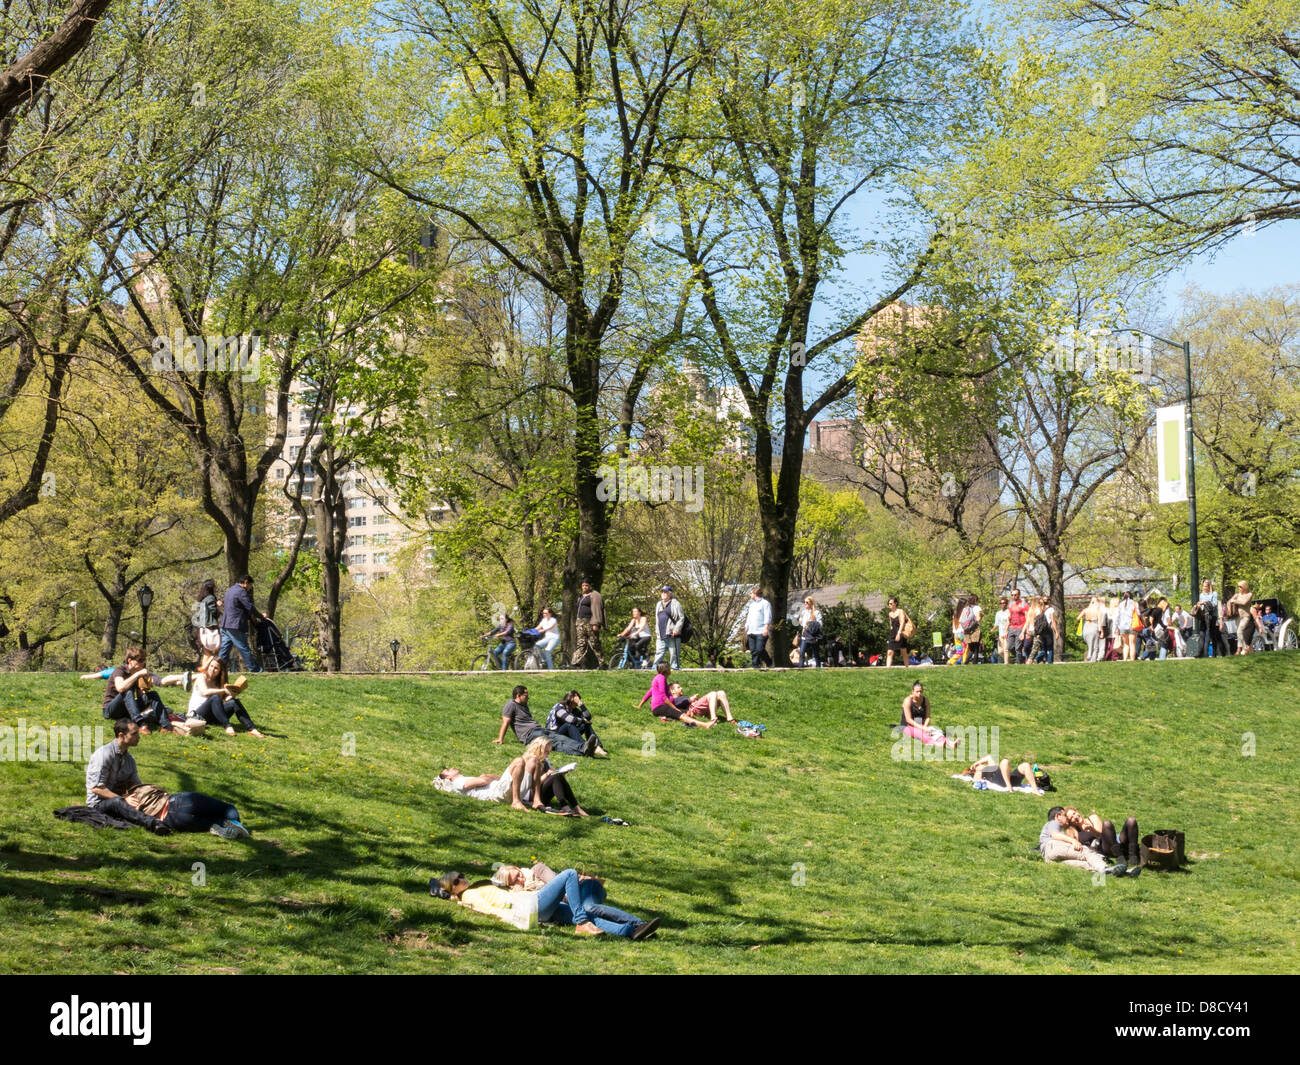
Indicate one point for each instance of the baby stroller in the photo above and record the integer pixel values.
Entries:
(273, 651)
(528, 656)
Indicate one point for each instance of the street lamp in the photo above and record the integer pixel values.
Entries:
(393, 647)
(1191, 457)
(145, 594)
(75, 633)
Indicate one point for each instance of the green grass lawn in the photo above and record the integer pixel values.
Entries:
(811, 850)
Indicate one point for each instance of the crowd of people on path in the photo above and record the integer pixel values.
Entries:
(1024, 630)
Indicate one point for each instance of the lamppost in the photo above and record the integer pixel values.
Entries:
(393, 647)
(76, 668)
(1194, 559)
(145, 594)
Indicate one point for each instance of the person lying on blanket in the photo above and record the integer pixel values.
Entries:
(915, 721)
(1001, 773)
(527, 779)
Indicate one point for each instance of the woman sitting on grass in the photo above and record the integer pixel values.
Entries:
(661, 704)
(699, 705)
(915, 721)
(1001, 774)
(213, 698)
(528, 779)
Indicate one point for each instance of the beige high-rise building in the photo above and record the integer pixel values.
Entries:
(377, 526)
(897, 465)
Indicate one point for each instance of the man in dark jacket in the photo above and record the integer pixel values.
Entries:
(236, 615)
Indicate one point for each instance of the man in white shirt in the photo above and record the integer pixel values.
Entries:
(758, 626)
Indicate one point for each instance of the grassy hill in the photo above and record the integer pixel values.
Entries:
(811, 850)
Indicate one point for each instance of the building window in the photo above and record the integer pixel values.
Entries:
(381, 519)
(356, 520)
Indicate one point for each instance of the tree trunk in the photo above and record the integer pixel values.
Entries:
(1056, 595)
(329, 510)
(112, 623)
(586, 557)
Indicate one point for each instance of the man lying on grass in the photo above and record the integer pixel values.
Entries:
(113, 786)
(1057, 843)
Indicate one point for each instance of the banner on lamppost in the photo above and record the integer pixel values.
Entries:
(1171, 453)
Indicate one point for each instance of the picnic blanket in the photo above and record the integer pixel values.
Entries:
(987, 785)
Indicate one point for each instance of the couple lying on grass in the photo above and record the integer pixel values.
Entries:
(114, 788)
(1086, 842)
(529, 779)
(569, 898)
(669, 702)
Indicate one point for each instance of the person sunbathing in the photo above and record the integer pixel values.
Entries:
(527, 779)
(1100, 836)
(699, 705)
(661, 704)
(1001, 773)
(915, 720)
(591, 895)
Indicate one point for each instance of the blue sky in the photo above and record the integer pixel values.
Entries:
(1264, 260)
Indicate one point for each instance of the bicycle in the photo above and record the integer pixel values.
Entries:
(487, 661)
(630, 659)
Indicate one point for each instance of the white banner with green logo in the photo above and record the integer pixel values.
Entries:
(1171, 453)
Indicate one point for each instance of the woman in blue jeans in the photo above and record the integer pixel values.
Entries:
(555, 900)
(563, 889)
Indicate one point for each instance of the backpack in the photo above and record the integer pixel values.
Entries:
(1041, 625)
(688, 630)
(204, 618)
(813, 630)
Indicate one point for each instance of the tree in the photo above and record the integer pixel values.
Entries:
(52, 200)
(541, 136)
(237, 259)
(829, 522)
(1181, 116)
(807, 109)
(122, 509)
(486, 456)
(25, 76)
(362, 377)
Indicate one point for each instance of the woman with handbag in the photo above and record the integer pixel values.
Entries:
(810, 633)
(901, 630)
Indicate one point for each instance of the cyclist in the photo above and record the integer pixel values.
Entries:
(505, 632)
